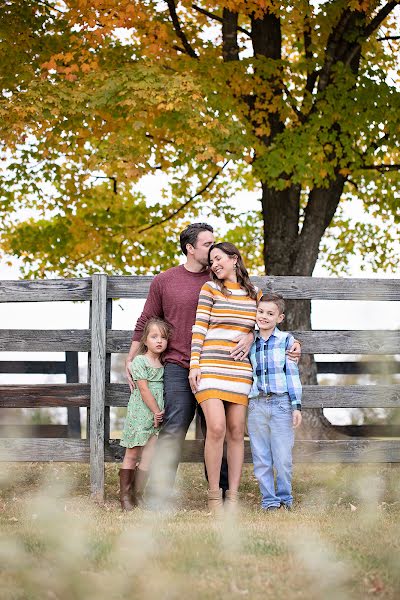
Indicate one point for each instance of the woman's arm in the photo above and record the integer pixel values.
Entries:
(199, 331)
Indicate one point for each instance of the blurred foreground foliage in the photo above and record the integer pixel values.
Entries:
(341, 541)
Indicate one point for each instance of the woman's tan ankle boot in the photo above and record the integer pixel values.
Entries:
(215, 502)
(231, 501)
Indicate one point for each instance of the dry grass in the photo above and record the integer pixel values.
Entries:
(341, 542)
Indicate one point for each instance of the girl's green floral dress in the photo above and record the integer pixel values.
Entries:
(139, 421)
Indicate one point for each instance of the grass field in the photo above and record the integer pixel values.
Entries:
(341, 541)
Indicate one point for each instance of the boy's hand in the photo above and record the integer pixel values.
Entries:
(294, 353)
(194, 379)
(297, 418)
(242, 348)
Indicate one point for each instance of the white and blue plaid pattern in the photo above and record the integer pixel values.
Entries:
(273, 371)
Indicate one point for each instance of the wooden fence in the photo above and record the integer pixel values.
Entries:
(100, 341)
(67, 367)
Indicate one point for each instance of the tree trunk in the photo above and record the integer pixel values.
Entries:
(287, 249)
(283, 243)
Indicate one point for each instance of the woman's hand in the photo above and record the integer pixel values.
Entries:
(294, 353)
(242, 348)
(194, 379)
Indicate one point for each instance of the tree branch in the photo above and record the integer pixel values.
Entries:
(334, 38)
(369, 29)
(387, 38)
(113, 179)
(381, 16)
(230, 48)
(383, 168)
(178, 30)
(353, 183)
(49, 6)
(179, 48)
(311, 76)
(210, 15)
(185, 204)
(292, 102)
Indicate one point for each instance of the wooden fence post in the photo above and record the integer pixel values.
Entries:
(97, 385)
(72, 376)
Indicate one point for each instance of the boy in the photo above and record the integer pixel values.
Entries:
(274, 404)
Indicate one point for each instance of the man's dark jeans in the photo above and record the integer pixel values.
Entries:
(180, 407)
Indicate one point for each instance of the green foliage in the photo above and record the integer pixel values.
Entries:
(97, 98)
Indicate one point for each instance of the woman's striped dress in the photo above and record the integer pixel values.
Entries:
(220, 319)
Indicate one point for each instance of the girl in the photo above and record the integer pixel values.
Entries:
(145, 412)
(226, 308)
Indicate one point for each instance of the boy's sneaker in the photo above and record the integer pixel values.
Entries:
(271, 508)
(286, 506)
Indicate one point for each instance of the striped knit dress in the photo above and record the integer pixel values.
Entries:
(220, 319)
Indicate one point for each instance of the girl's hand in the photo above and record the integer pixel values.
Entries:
(194, 379)
(294, 353)
(158, 418)
(297, 418)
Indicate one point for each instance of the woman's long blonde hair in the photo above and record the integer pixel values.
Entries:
(165, 329)
(241, 271)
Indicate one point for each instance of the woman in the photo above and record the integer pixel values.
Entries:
(226, 309)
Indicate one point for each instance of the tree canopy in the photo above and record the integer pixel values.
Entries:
(296, 100)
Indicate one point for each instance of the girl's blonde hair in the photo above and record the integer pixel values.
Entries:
(165, 329)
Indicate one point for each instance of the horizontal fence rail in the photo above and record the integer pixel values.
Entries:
(117, 394)
(100, 341)
(119, 341)
(294, 288)
(305, 451)
(50, 340)
(369, 367)
(312, 342)
(46, 290)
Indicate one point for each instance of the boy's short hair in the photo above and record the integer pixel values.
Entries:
(276, 299)
(191, 233)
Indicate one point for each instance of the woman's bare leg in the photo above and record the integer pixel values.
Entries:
(235, 422)
(214, 413)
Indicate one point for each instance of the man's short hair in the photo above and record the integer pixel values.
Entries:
(276, 299)
(191, 233)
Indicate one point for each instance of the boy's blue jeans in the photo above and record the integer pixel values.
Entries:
(271, 433)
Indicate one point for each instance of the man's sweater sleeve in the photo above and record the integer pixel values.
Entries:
(152, 308)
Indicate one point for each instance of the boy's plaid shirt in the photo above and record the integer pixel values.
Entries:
(273, 371)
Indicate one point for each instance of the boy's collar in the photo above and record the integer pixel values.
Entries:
(276, 333)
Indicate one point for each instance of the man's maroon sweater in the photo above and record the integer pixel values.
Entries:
(173, 296)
